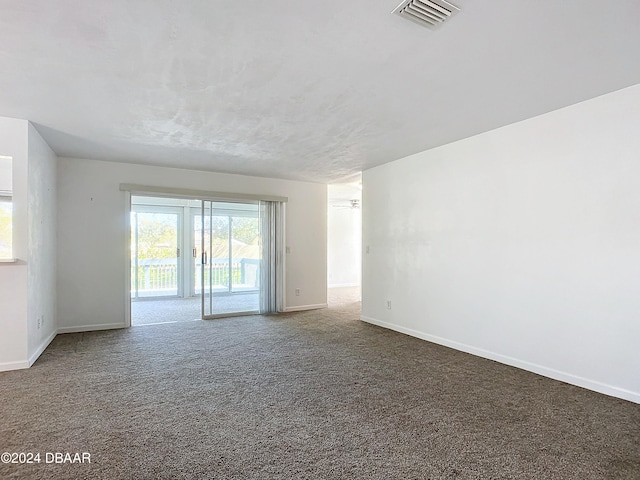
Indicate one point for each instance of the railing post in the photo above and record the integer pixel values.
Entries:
(147, 277)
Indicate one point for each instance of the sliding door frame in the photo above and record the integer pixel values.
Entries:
(208, 205)
(130, 189)
(180, 254)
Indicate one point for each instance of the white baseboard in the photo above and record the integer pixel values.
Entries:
(91, 328)
(343, 285)
(305, 307)
(42, 347)
(514, 362)
(7, 366)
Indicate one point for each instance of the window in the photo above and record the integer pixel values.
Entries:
(6, 209)
(6, 230)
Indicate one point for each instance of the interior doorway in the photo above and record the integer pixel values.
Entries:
(194, 259)
(344, 242)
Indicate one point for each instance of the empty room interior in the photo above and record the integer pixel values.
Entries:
(320, 239)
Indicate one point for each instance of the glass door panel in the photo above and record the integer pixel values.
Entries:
(214, 259)
(230, 262)
(155, 254)
(219, 268)
(245, 249)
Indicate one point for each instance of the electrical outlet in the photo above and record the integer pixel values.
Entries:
(287, 249)
(389, 304)
(297, 292)
(367, 249)
(39, 322)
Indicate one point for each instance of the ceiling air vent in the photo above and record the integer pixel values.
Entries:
(428, 13)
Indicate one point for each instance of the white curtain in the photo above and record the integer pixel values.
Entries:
(271, 266)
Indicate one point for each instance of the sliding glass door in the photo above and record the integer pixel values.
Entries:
(230, 259)
(231, 256)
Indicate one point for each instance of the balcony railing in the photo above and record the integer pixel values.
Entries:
(156, 276)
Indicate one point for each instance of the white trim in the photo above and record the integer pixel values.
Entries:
(514, 362)
(281, 255)
(167, 323)
(136, 189)
(92, 328)
(5, 367)
(343, 285)
(8, 260)
(43, 346)
(305, 307)
(127, 273)
(220, 316)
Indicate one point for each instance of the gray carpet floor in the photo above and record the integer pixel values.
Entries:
(171, 310)
(309, 395)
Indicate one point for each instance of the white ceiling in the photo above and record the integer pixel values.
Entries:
(308, 90)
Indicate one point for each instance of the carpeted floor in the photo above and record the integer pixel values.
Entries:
(310, 395)
(171, 310)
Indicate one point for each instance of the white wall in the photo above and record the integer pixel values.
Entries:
(344, 234)
(13, 276)
(93, 246)
(41, 245)
(27, 287)
(521, 244)
(344, 237)
(344, 249)
(13, 316)
(6, 175)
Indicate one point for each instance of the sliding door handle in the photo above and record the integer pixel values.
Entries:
(204, 258)
(195, 253)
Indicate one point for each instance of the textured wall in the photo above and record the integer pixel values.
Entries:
(42, 244)
(520, 244)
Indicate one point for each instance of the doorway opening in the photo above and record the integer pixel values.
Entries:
(193, 259)
(344, 242)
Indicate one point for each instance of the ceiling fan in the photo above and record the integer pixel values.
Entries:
(354, 203)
